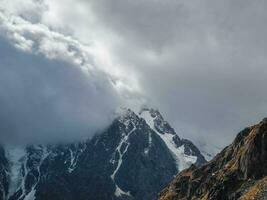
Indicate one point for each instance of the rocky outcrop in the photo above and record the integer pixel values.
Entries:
(238, 172)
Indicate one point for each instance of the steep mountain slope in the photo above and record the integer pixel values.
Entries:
(133, 159)
(238, 172)
(3, 174)
(184, 151)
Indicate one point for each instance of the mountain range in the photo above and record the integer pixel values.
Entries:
(133, 159)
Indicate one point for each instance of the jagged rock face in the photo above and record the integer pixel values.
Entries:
(3, 174)
(238, 172)
(184, 151)
(133, 159)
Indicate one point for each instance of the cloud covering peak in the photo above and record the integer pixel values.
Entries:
(50, 88)
(202, 64)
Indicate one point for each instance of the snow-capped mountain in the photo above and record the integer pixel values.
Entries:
(134, 158)
(183, 151)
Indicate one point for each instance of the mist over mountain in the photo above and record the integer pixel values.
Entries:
(45, 100)
(202, 64)
(119, 99)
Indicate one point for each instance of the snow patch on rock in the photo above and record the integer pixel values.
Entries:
(124, 140)
(182, 160)
(16, 158)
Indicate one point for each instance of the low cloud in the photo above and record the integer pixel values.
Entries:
(202, 64)
(50, 88)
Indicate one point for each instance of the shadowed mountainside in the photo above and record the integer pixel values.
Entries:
(133, 159)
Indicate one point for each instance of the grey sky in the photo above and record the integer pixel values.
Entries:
(202, 63)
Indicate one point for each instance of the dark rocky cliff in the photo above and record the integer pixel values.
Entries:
(3, 174)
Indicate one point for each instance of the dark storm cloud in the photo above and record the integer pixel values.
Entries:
(44, 100)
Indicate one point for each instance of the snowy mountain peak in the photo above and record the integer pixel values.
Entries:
(183, 151)
(128, 117)
(158, 123)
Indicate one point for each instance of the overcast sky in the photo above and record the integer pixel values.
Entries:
(67, 65)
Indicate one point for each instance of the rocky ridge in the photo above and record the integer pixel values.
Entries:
(237, 172)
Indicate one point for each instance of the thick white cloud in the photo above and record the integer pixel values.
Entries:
(50, 87)
(202, 63)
